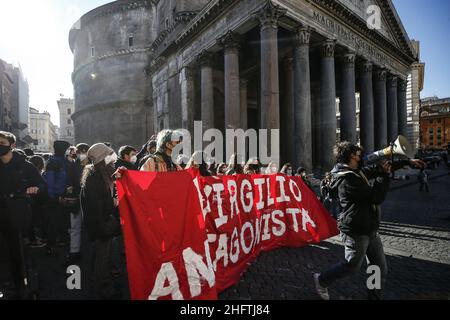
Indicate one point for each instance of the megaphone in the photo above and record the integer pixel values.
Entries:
(400, 147)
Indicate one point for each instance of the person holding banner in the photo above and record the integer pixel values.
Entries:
(198, 161)
(359, 219)
(161, 161)
(101, 214)
(253, 166)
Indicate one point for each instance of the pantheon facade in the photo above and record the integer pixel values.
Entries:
(141, 66)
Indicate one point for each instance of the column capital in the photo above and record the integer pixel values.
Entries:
(205, 58)
(269, 14)
(328, 48)
(367, 66)
(392, 81)
(381, 74)
(349, 59)
(230, 40)
(402, 84)
(302, 36)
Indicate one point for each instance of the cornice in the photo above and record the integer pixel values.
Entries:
(345, 14)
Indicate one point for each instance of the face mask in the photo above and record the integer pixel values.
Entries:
(360, 164)
(273, 169)
(82, 157)
(110, 159)
(4, 150)
(133, 159)
(289, 172)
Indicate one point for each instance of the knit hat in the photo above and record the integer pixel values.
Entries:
(98, 152)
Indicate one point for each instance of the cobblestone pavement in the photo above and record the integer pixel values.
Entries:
(415, 231)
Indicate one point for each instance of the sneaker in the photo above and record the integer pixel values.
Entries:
(37, 244)
(321, 291)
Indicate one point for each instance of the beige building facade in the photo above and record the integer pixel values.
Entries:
(42, 130)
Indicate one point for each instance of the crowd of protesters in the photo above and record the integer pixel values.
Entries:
(72, 192)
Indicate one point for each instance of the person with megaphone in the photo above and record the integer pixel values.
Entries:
(360, 190)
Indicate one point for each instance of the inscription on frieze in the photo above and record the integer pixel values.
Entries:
(355, 42)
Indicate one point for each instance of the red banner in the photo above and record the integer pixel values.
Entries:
(190, 237)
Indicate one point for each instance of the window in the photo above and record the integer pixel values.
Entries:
(167, 23)
(130, 41)
(69, 121)
(430, 130)
(92, 52)
(69, 111)
(431, 121)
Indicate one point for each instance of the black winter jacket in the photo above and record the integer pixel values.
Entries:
(122, 163)
(15, 178)
(359, 198)
(100, 214)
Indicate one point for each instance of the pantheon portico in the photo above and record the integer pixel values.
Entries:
(280, 64)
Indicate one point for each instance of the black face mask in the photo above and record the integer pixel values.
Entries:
(4, 150)
(360, 164)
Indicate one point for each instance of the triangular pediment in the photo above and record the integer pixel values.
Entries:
(391, 26)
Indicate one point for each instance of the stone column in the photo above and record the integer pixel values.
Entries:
(347, 99)
(230, 43)
(327, 106)
(207, 90)
(302, 101)
(270, 105)
(243, 101)
(287, 112)
(380, 109)
(402, 109)
(392, 112)
(366, 115)
(187, 99)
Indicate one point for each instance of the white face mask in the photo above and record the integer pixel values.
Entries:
(289, 172)
(111, 158)
(82, 156)
(133, 159)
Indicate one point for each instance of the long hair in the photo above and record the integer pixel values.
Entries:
(102, 169)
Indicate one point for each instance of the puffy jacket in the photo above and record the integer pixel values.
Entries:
(55, 175)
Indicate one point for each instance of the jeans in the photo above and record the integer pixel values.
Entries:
(75, 232)
(356, 249)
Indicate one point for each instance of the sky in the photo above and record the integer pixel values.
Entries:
(34, 34)
(428, 21)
